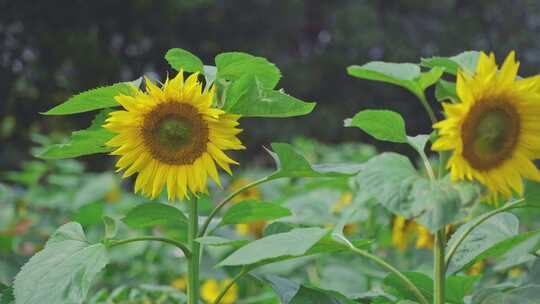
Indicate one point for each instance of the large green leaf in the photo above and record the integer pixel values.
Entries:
(91, 100)
(381, 124)
(155, 214)
(251, 211)
(494, 230)
(63, 271)
(294, 243)
(406, 75)
(291, 164)
(233, 65)
(466, 61)
(395, 183)
(291, 292)
(248, 97)
(85, 142)
(180, 59)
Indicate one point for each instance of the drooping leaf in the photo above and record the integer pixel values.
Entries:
(180, 59)
(494, 230)
(381, 124)
(248, 97)
(291, 164)
(288, 244)
(63, 271)
(84, 142)
(290, 292)
(446, 91)
(233, 65)
(251, 211)
(466, 61)
(406, 75)
(91, 100)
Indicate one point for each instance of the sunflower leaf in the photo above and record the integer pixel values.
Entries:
(291, 164)
(494, 230)
(290, 292)
(380, 124)
(466, 61)
(180, 59)
(63, 271)
(233, 65)
(251, 211)
(406, 75)
(445, 91)
(84, 142)
(94, 99)
(248, 97)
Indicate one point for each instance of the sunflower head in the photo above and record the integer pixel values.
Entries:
(172, 136)
(493, 130)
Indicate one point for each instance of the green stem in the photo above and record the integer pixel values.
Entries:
(181, 246)
(410, 285)
(222, 204)
(438, 275)
(428, 108)
(477, 222)
(230, 284)
(193, 260)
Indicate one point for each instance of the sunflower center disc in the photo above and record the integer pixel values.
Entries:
(490, 135)
(173, 132)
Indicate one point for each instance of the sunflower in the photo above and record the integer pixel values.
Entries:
(404, 231)
(172, 136)
(494, 131)
(210, 290)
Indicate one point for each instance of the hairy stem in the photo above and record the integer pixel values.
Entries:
(193, 260)
(439, 271)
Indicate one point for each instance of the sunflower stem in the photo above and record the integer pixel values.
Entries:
(223, 292)
(193, 260)
(428, 108)
(222, 204)
(438, 275)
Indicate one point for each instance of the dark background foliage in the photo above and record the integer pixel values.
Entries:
(50, 50)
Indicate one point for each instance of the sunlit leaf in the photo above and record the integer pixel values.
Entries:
(180, 59)
(466, 61)
(233, 65)
(381, 124)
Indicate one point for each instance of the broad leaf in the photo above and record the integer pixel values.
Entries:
(155, 214)
(290, 292)
(251, 211)
(466, 61)
(63, 271)
(381, 124)
(406, 75)
(248, 97)
(233, 65)
(180, 59)
(394, 182)
(494, 230)
(85, 142)
(291, 164)
(294, 243)
(91, 100)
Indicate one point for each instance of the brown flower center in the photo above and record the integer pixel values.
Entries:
(175, 133)
(490, 133)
